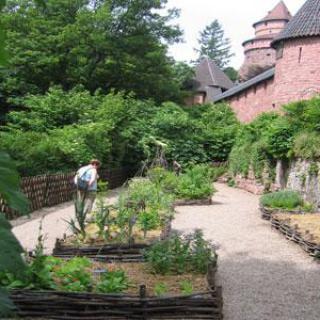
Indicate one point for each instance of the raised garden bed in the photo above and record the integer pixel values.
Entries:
(302, 229)
(267, 213)
(108, 251)
(205, 303)
(193, 202)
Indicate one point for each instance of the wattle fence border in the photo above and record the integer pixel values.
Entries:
(52, 189)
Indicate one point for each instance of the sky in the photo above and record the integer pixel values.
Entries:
(235, 16)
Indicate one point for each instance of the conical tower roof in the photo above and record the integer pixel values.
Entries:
(279, 12)
(306, 23)
(209, 74)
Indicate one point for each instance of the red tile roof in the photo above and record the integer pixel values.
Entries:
(279, 12)
(306, 23)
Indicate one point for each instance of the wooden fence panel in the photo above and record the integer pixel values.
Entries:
(52, 189)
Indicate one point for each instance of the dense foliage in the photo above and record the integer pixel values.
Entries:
(100, 44)
(196, 182)
(61, 130)
(272, 137)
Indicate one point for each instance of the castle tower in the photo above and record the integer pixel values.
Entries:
(259, 55)
(297, 72)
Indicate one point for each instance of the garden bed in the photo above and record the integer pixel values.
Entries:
(110, 251)
(267, 213)
(193, 202)
(205, 302)
(302, 229)
(283, 202)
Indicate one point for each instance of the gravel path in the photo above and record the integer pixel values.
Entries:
(263, 275)
(53, 224)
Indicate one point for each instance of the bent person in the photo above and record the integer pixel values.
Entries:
(86, 181)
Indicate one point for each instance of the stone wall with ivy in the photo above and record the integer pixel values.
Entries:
(303, 176)
(277, 151)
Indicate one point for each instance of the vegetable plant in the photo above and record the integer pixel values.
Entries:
(160, 289)
(195, 183)
(113, 282)
(102, 216)
(181, 254)
(186, 287)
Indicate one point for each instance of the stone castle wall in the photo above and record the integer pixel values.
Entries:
(297, 74)
(297, 77)
(253, 101)
(301, 175)
(270, 27)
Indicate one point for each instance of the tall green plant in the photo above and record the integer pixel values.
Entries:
(10, 258)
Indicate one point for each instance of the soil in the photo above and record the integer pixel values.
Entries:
(140, 274)
(307, 224)
(93, 239)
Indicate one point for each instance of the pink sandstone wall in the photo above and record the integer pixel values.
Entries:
(261, 57)
(252, 102)
(298, 71)
(272, 27)
(257, 44)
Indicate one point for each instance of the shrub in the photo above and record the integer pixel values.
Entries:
(195, 183)
(163, 178)
(178, 254)
(285, 199)
(307, 145)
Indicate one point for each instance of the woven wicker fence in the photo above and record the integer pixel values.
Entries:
(52, 189)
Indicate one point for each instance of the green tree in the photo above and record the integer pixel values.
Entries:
(231, 73)
(103, 44)
(214, 44)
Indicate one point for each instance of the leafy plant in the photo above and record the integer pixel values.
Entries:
(178, 254)
(73, 276)
(186, 287)
(102, 216)
(144, 204)
(160, 289)
(285, 199)
(195, 183)
(113, 282)
(163, 178)
(10, 259)
(201, 253)
(37, 274)
(78, 225)
(148, 220)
